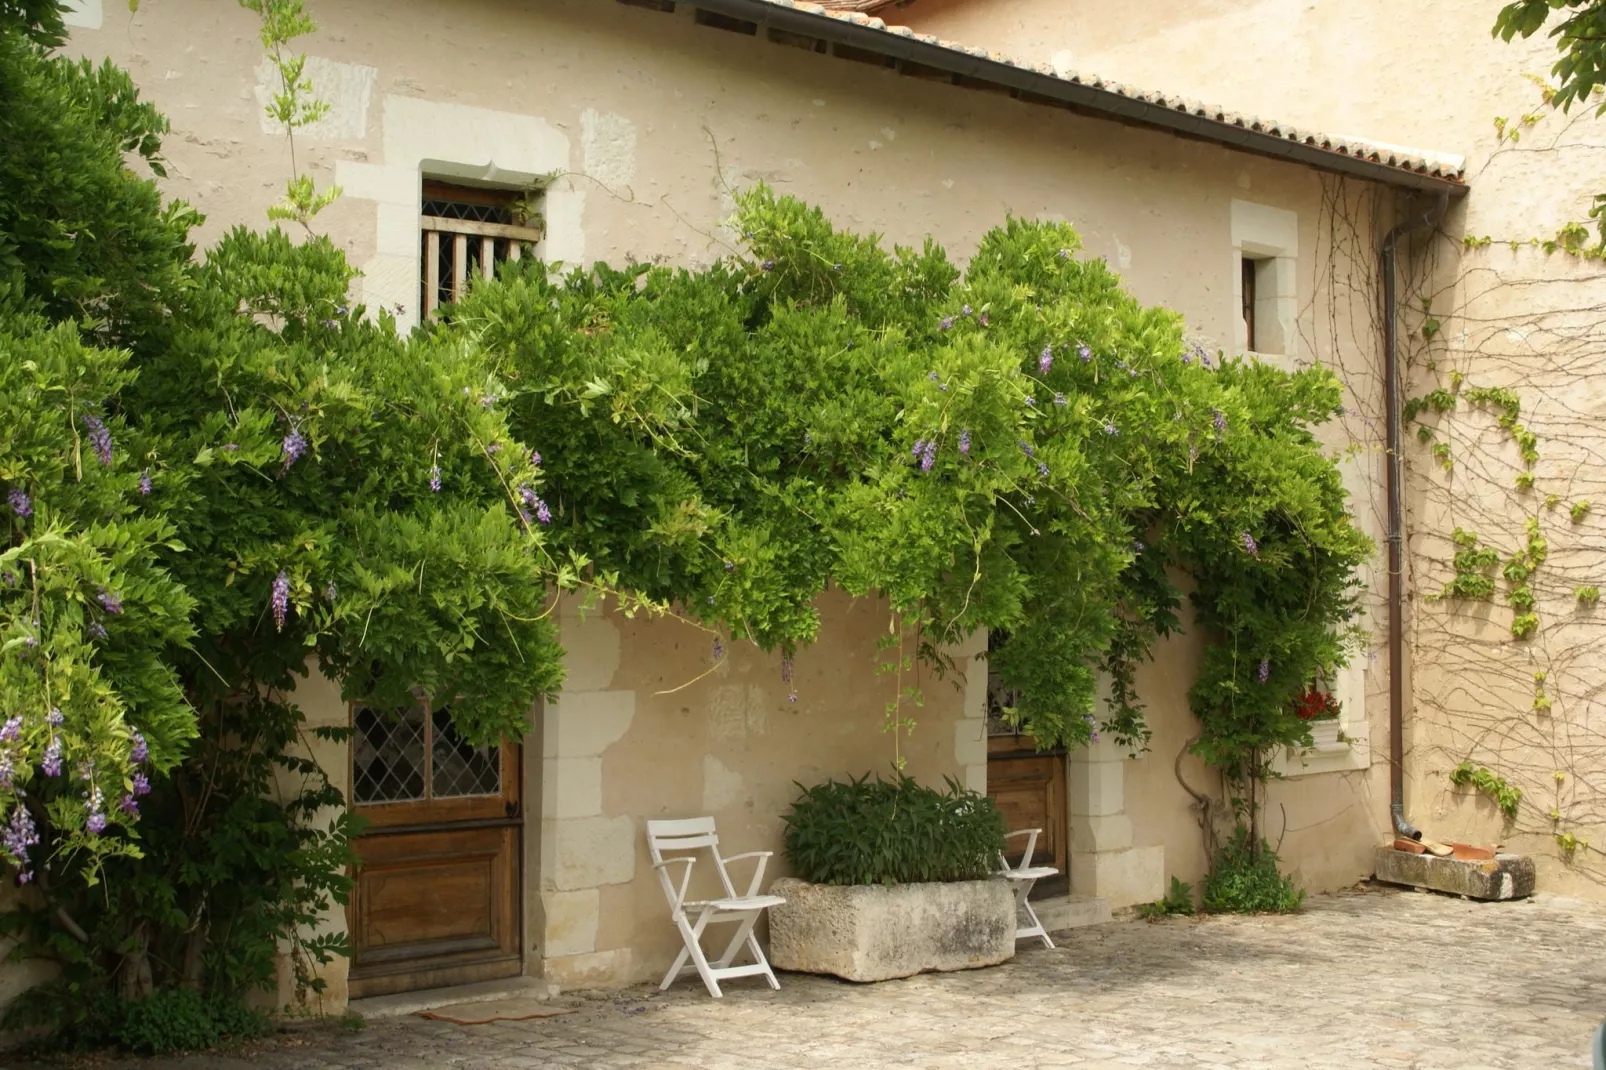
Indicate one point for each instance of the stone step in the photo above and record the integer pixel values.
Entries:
(1061, 912)
(428, 999)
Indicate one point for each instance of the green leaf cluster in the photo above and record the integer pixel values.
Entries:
(892, 832)
(1244, 880)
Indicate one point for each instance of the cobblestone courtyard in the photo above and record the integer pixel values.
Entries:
(1381, 979)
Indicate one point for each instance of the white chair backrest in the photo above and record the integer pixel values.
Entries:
(683, 838)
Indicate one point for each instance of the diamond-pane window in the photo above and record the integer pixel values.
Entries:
(459, 769)
(388, 759)
(465, 231)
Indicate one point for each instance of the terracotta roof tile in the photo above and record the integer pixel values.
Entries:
(1440, 165)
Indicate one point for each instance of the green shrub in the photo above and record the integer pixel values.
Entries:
(166, 1021)
(892, 832)
(1179, 900)
(1245, 880)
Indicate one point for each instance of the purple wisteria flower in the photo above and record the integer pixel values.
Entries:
(982, 319)
(280, 599)
(51, 764)
(231, 447)
(11, 730)
(1025, 447)
(1186, 359)
(100, 438)
(1204, 360)
(109, 601)
(8, 768)
(292, 447)
(719, 648)
(1111, 429)
(55, 718)
(535, 458)
(20, 503)
(331, 592)
(1084, 352)
(929, 458)
(1218, 418)
(97, 630)
(140, 752)
(768, 265)
(946, 323)
(19, 835)
(145, 482)
(8, 578)
(1065, 254)
(964, 443)
(435, 479)
(1031, 401)
(95, 824)
(1265, 669)
(487, 401)
(964, 310)
(730, 566)
(1042, 469)
(1137, 546)
(1249, 544)
(1045, 360)
(1059, 399)
(129, 806)
(142, 784)
(918, 448)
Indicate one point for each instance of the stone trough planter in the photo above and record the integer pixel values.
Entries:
(871, 932)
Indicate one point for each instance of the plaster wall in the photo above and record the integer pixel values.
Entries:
(1510, 315)
(644, 122)
(650, 726)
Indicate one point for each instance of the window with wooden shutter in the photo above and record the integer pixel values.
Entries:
(465, 231)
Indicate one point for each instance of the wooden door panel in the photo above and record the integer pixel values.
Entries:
(437, 897)
(1029, 788)
(428, 902)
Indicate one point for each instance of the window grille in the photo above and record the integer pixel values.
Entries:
(466, 231)
(397, 753)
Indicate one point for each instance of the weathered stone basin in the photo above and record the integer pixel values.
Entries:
(872, 932)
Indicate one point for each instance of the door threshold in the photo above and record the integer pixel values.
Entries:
(426, 999)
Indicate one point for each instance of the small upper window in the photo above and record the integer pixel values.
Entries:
(467, 230)
(1247, 265)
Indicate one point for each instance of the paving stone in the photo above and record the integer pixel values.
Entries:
(1375, 979)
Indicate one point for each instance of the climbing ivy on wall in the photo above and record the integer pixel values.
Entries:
(1498, 407)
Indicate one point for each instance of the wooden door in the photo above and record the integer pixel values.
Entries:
(437, 895)
(1028, 785)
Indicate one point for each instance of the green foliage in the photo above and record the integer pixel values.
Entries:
(1506, 796)
(1178, 900)
(1244, 880)
(1024, 449)
(892, 832)
(1580, 38)
(1578, 511)
(167, 1021)
(217, 475)
(1587, 596)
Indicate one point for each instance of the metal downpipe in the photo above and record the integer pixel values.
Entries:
(1396, 513)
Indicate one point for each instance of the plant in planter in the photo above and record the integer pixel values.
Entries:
(893, 879)
(1321, 711)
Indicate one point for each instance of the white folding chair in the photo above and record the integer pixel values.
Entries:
(693, 916)
(1021, 879)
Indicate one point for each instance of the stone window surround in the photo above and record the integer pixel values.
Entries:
(435, 139)
(1269, 236)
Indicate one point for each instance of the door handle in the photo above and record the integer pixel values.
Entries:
(510, 808)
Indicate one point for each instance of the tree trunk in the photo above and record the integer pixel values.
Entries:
(134, 972)
(192, 971)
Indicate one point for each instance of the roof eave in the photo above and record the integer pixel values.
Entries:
(1089, 99)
